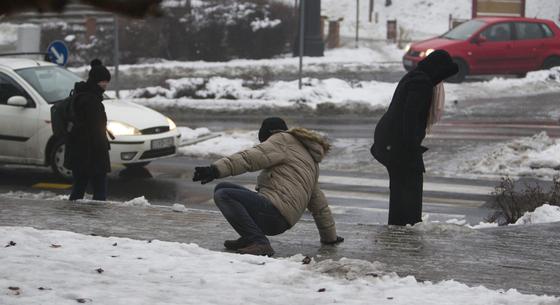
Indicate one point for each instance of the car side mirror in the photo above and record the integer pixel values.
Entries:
(17, 100)
(480, 39)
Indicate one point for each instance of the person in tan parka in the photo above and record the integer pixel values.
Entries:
(286, 187)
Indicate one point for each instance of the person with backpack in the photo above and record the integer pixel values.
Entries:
(87, 146)
(416, 106)
(286, 187)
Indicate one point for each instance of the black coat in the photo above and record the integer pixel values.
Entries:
(401, 130)
(87, 147)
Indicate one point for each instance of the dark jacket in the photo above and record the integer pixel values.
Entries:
(401, 130)
(87, 147)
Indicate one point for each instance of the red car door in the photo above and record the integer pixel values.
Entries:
(492, 51)
(529, 46)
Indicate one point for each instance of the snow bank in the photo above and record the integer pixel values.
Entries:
(233, 94)
(543, 214)
(228, 143)
(380, 56)
(537, 82)
(56, 267)
(44, 195)
(218, 93)
(536, 156)
(136, 202)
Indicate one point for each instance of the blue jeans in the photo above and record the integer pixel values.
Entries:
(251, 214)
(81, 181)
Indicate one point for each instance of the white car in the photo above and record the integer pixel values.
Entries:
(28, 89)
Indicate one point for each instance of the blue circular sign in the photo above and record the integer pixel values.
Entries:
(58, 52)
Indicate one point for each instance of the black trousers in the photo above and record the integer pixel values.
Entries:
(405, 203)
(81, 181)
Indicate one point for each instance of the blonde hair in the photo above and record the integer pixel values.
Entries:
(436, 107)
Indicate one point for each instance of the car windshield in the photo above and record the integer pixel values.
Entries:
(465, 30)
(53, 83)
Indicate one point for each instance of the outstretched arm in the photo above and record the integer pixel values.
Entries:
(321, 212)
(265, 155)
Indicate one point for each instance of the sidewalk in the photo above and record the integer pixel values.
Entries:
(520, 257)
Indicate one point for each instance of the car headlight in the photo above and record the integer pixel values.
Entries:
(407, 47)
(122, 129)
(426, 53)
(172, 124)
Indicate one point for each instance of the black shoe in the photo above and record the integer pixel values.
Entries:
(236, 244)
(257, 249)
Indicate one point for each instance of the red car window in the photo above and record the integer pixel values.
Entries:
(498, 32)
(528, 31)
(547, 31)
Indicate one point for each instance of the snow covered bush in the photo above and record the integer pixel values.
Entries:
(513, 199)
(221, 30)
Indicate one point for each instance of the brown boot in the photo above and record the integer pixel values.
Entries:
(236, 244)
(257, 249)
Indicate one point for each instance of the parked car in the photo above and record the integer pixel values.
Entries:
(494, 45)
(28, 89)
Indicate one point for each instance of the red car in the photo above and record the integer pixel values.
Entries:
(494, 45)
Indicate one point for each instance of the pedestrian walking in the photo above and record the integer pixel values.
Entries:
(416, 106)
(286, 187)
(87, 146)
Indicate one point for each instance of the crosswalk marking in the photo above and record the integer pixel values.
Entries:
(450, 202)
(53, 186)
(428, 186)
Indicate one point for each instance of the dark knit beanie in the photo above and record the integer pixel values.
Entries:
(98, 72)
(270, 126)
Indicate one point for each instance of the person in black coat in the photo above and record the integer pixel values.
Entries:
(401, 130)
(87, 146)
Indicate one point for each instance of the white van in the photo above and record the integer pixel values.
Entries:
(28, 89)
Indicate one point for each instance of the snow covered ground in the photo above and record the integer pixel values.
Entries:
(378, 56)
(416, 19)
(536, 156)
(222, 94)
(57, 267)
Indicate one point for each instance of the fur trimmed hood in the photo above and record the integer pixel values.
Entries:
(316, 144)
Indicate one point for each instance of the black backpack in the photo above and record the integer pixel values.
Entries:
(62, 116)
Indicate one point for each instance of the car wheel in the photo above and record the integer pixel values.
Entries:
(136, 165)
(462, 74)
(57, 161)
(551, 62)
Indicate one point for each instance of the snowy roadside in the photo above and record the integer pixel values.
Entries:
(218, 94)
(536, 156)
(381, 57)
(50, 267)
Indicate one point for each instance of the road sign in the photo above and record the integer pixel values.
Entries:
(58, 52)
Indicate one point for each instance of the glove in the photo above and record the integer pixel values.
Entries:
(334, 242)
(205, 174)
